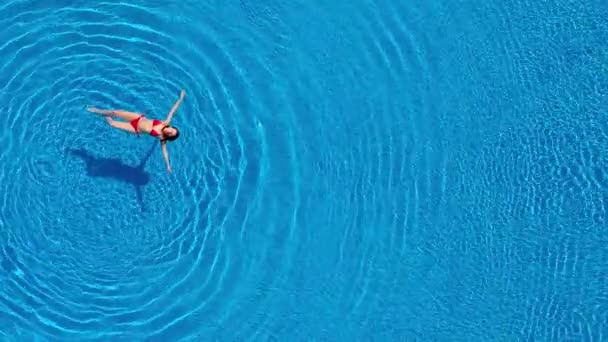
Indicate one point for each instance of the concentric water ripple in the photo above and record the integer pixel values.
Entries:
(102, 243)
(345, 171)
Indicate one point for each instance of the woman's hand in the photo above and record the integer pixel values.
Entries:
(182, 94)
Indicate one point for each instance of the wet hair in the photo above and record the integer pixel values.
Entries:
(173, 137)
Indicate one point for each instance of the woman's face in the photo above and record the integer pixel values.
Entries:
(169, 131)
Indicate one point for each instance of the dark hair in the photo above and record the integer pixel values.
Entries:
(173, 137)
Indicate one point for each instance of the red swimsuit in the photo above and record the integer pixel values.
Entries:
(153, 132)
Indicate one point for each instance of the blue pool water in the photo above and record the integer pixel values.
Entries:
(346, 171)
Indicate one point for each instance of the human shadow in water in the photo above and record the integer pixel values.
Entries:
(114, 168)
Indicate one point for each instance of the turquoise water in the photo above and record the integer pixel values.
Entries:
(346, 170)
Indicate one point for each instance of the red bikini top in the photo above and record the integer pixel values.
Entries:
(153, 132)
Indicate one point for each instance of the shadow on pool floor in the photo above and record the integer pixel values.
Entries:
(116, 169)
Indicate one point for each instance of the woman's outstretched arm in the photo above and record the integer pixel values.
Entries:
(175, 106)
(163, 145)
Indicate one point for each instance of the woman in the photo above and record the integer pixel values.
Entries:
(137, 122)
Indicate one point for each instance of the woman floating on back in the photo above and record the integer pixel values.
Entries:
(137, 122)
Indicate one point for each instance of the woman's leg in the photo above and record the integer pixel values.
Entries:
(127, 116)
(125, 126)
(100, 111)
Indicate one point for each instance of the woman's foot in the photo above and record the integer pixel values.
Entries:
(100, 111)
